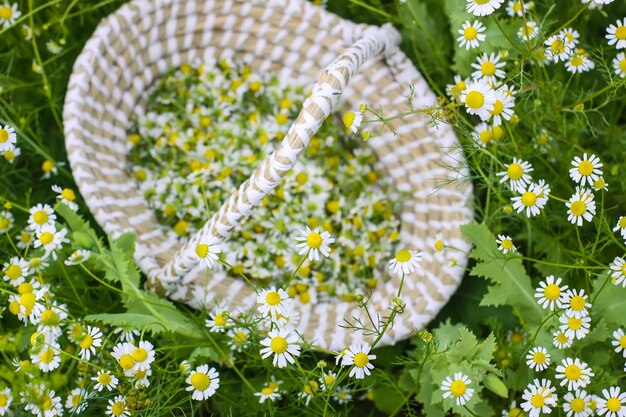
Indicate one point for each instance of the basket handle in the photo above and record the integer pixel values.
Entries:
(316, 109)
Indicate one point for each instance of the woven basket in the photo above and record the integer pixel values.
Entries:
(297, 41)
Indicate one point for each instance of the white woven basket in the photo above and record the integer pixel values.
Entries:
(297, 41)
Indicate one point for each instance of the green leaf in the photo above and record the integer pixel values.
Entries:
(142, 322)
(203, 353)
(387, 399)
(82, 233)
(427, 391)
(609, 301)
(511, 284)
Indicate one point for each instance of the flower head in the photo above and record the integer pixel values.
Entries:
(505, 244)
(612, 403)
(457, 388)
(203, 382)
(573, 372)
(517, 173)
(586, 169)
(539, 397)
(550, 292)
(483, 7)
(531, 200)
(479, 99)
(616, 34)
(104, 379)
(358, 356)
(538, 359)
(282, 344)
(405, 261)
(314, 242)
(471, 34)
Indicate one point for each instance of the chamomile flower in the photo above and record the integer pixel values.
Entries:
(619, 64)
(528, 31)
(123, 353)
(517, 174)
(557, 48)
(538, 398)
(483, 7)
(8, 15)
(313, 242)
(505, 244)
(621, 226)
(127, 334)
(586, 169)
(612, 403)
(239, 338)
(90, 341)
(519, 7)
(576, 404)
(77, 257)
(117, 407)
(269, 392)
(357, 356)
(47, 404)
(479, 99)
(50, 240)
(483, 134)
(76, 401)
(47, 359)
(503, 107)
(207, 251)
(471, 34)
(538, 359)
(143, 355)
(67, 196)
(342, 395)
(6, 221)
(352, 120)
(104, 379)
(438, 243)
(531, 200)
(574, 327)
(273, 302)
(218, 318)
(573, 372)
(455, 90)
(600, 184)
(579, 63)
(203, 382)
(405, 261)
(550, 293)
(327, 380)
(41, 215)
(7, 135)
(457, 387)
(570, 36)
(488, 68)
(616, 34)
(619, 341)
(16, 271)
(282, 344)
(49, 168)
(575, 301)
(6, 398)
(309, 391)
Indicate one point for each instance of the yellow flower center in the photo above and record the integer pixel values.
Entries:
(470, 33)
(47, 356)
(272, 298)
(361, 360)
(515, 171)
(622, 342)
(613, 404)
(3, 400)
(403, 255)
(488, 68)
(527, 30)
(486, 136)
(25, 288)
(87, 342)
(118, 408)
(459, 87)
(267, 390)
(348, 118)
(14, 307)
(585, 168)
(624, 269)
(46, 404)
(577, 404)
(104, 379)
(28, 300)
(49, 317)
(240, 338)
(13, 271)
(219, 320)
(517, 338)
(200, 381)
(507, 244)
(498, 107)
(311, 388)
(68, 194)
(481, 1)
(517, 6)
(622, 65)
(127, 362)
(537, 400)
(328, 380)
(574, 323)
(529, 198)
(539, 358)
(202, 250)
(458, 388)
(314, 240)
(620, 33)
(552, 292)
(516, 412)
(557, 47)
(599, 183)
(577, 303)
(562, 338)
(302, 178)
(46, 238)
(475, 99)
(4, 135)
(279, 344)
(438, 245)
(576, 61)
(140, 354)
(578, 208)
(6, 13)
(47, 166)
(572, 372)
(40, 217)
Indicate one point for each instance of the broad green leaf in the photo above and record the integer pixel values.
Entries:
(203, 353)
(511, 284)
(387, 399)
(427, 391)
(609, 301)
(142, 322)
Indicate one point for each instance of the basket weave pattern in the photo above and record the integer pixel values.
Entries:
(295, 40)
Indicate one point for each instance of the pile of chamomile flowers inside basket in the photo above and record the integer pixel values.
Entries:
(206, 130)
